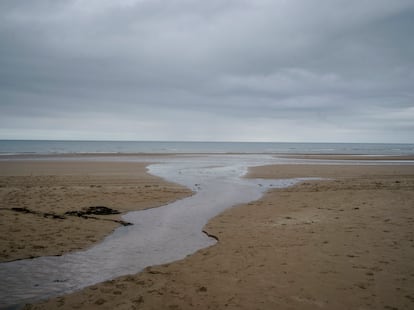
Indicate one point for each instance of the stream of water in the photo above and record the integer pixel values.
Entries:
(158, 236)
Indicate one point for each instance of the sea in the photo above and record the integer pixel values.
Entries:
(50, 147)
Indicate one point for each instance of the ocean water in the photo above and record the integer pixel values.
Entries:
(9, 147)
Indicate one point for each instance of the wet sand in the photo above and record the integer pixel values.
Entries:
(349, 157)
(48, 189)
(345, 243)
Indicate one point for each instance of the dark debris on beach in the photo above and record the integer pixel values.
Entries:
(85, 213)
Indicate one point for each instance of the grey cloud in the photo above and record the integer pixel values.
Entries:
(310, 65)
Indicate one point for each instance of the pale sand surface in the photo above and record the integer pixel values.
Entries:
(349, 157)
(56, 187)
(330, 171)
(339, 244)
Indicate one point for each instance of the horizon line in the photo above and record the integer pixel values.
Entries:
(201, 141)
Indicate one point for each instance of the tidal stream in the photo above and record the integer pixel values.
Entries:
(158, 236)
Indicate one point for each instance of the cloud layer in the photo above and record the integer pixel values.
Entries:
(326, 70)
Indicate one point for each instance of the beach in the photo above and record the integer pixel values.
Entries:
(37, 195)
(176, 155)
(345, 242)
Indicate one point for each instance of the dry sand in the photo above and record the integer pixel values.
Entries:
(346, 243)
(52, 188)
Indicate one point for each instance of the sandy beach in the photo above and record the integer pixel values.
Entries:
(343, 243)
(176, 155)
(35, 197)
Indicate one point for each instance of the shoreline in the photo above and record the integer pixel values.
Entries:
(338, 225)
(334, 156)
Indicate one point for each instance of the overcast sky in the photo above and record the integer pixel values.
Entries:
(217, 70)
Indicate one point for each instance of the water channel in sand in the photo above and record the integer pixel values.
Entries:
(158, 236)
